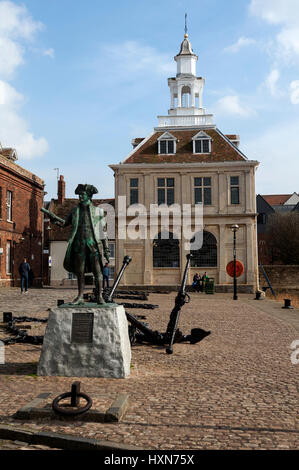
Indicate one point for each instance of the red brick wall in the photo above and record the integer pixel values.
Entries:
(27, 200)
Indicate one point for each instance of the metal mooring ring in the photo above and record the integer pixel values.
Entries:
(68, 412)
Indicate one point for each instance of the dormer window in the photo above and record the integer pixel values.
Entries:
(167, 144)
(202, 143)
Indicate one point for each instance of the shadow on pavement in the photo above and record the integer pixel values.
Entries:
(18, 368)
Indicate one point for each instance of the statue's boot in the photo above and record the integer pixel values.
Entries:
(79, 299)
(98, 292)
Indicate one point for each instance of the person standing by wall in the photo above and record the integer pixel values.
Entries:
(106, 273)
(204, 280)
(24, 270)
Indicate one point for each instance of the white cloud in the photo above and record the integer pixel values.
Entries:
(286, 14)
(231, 105)
(49, 52)
(9, 96)
(134, 58)
(242, 42)
(276, 11)
(11, 56)
(14, 129)
(137, 67)
(271, 81)
(15, 21)
(16, 28)
(277, 150)
(294, 92)
(16, 25)
(288, 40)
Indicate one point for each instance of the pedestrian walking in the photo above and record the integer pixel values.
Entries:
(106, 272)
(24, 270)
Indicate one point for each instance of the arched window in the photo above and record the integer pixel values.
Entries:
(166, 251)
(206, 256)
(186, 94)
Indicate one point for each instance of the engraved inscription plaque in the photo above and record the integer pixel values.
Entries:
(82, 327)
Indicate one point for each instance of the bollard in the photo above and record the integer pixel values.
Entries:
(75, 390)
(287, 303)
(258, 295)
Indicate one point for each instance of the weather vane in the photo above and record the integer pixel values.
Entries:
(186, 29)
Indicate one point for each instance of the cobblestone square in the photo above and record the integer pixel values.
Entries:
(236, 389)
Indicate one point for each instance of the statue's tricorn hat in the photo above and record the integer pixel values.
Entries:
(88, 188)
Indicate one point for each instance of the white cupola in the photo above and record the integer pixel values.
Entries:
(186, 91)
(186, 59)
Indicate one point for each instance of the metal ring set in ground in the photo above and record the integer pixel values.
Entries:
(236, 389)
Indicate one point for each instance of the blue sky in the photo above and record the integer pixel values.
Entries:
(79, 79)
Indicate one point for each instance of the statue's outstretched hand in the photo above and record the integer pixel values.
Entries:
(58, 223)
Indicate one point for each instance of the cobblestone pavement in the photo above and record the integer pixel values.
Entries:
(237, 389)
(18, 445)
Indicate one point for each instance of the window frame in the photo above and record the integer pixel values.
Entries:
(166, 188)
(200, 137)
(167, 143)
(8, 257)
(201, 141)
(233, 187)
(9, 205)
(134, 189)
(110, 244)
(167, 137)
(202, 188)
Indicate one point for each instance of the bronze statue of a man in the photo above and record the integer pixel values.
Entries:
(88, 244)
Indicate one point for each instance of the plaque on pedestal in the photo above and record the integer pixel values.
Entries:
(83, 341)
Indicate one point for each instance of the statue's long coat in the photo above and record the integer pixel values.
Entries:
(98, 223)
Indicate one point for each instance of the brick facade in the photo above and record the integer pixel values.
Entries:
(21, 227)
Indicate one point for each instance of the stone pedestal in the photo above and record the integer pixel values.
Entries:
(83, 341)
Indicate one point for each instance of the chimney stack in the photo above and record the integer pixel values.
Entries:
(61, 190)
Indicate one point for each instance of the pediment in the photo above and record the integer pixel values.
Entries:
(167, 136)
(201, 135)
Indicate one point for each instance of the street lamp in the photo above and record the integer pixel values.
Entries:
(234, 229)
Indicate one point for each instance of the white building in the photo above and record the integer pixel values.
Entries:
(188, 160)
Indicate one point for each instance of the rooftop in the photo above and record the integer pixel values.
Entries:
(222, 149)
(7, 161)
(276, 199)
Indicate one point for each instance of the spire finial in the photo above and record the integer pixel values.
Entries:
(186, 29)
